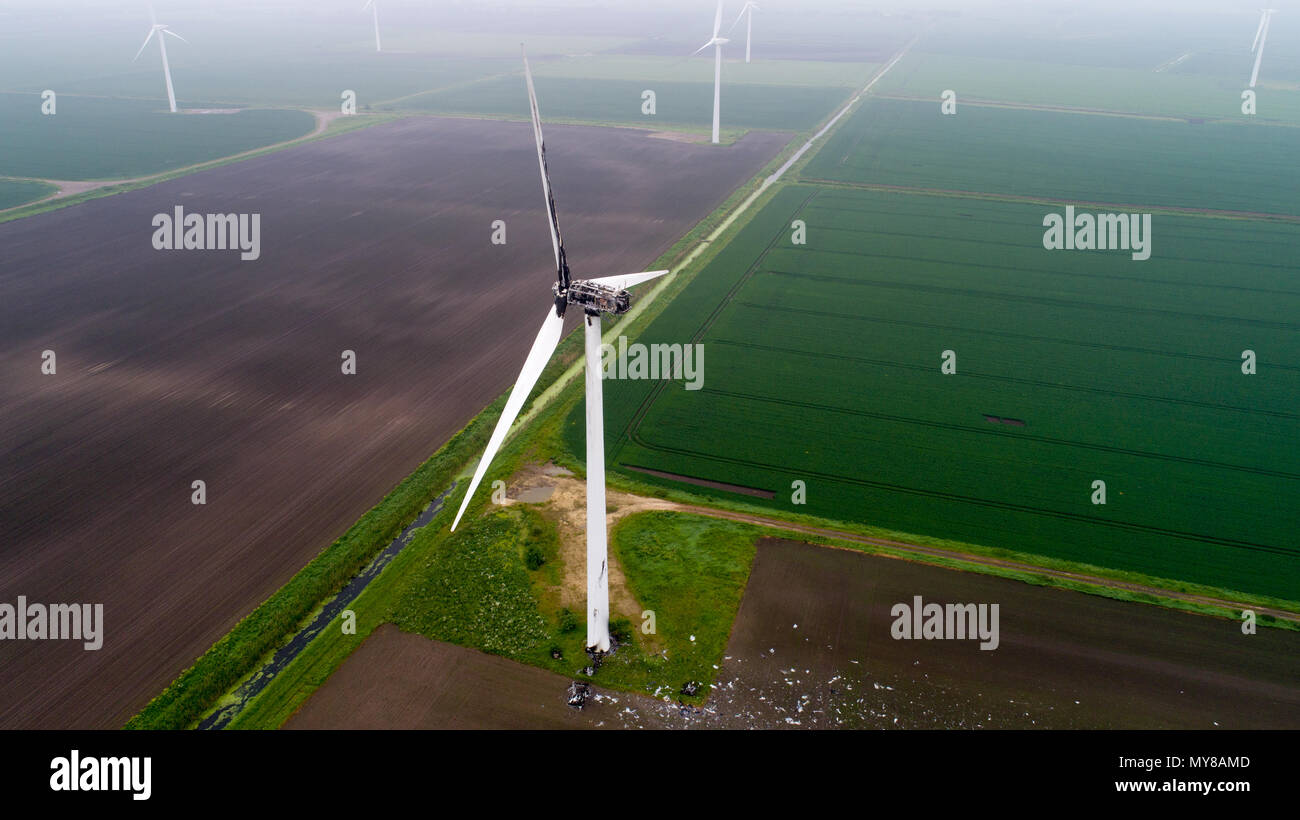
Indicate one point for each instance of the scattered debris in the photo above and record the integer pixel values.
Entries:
(578, 694)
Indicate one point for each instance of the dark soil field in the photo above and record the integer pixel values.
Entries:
(177, 366)
(397, 680)
(812, 647)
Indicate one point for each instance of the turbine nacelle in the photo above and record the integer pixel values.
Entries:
(594, 297)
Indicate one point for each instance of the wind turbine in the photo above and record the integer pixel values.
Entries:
(155, 28)
(750, 7)
(595, 296)
(374, 8)
(717, 43)
(1261, 35)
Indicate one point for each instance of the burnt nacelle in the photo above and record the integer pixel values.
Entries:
(596, 298)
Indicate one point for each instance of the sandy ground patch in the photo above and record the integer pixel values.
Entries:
(567, 506)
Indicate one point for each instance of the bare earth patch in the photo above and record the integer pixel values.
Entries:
(679, 136)
(567, 506)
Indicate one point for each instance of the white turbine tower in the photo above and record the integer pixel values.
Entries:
(750, 8)
(374, 9)
(160, 29)
(717, 43)
(595, 296)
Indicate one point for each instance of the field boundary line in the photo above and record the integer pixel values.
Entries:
(1095, 112)
(1035, 199)
(1128, 526)
(1010, 335)
(992, 431)
(78, 191)
(976, 559)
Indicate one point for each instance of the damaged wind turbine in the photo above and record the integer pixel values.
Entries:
(595, 296)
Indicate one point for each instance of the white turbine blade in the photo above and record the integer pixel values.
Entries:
(627, 280)
(368, 4)
(177, 36)
(142, 47)
(543, 346)
(557, 240)
(1262, 17)
(1259, 54)
(701, 48)
(738, 17)
(717, 21)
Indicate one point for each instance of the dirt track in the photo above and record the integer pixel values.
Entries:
(176, 366)
(568, 501)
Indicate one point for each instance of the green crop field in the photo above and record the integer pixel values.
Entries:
(823, 366)
(14, 192)
(783, 107)
(1227, 166)
(99, 138)
(306, 81)
(1110, 88)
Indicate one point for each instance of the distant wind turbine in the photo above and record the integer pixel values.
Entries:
(155, 28)
(595, 296)
(717, 43)
(1261, 35)
(749, 7)
(374, 8)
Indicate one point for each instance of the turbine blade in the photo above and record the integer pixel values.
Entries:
(543, 346)
(739, 17)
(701, 48)
(177, 36)
(627, 280)
(557, 240)
(146, 42)
(717, 20)
(368, 4)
